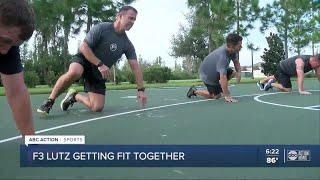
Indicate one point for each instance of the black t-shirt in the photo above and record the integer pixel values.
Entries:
(109, 46)
(10, 63)
(289, 67)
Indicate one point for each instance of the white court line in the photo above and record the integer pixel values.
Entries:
(282, 105)
(128, 97)
(315, 106)
(114, 115)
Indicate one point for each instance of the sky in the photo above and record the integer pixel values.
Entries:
(156, 23)
(159, 20)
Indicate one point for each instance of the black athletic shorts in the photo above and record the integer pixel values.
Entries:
(10, 63)
(283, 78)
(216, 88)
(93, 81)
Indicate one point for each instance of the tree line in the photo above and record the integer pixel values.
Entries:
(297, 24)
(209, 21)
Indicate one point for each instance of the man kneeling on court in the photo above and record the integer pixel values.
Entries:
(215, 71)
(294, 66)
(103, 46)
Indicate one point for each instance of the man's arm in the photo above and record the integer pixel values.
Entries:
(92, 58)
(238, 70)
(317, 71)
(139, 80)
(224, 84)
(300, 75)
(225, 89)
(19, 101)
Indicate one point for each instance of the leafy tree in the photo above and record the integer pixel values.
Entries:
(181, 75)
(314, 24)
(209, 22)
(92, 12)
(118, 75)
(24, 52)
(273, 55)
(214, 18)
(190, 65)
(247, 12)
(159, 61)
(56, 21)
(127, 73)
(299, 35)
(67, 16)
(157, 74)
(31, 79)
(143, 64)
(46, 25)
(291, 18)
(190, 44)
(51, 78)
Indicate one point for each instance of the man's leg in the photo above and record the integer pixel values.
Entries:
(212, 92)
(64, 82)
(281, 88)
(74, 73)
(263, 82)
(94, 101)
(266, 79)
(204, 93)
(284, 84)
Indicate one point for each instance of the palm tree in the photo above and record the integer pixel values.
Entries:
(251, 47)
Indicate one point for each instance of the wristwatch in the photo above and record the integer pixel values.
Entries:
(141, 89)
(100, 64)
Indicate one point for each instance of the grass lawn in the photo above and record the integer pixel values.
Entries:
(45, 89)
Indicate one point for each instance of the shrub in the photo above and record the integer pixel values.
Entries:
(51, 78)
(181, 75)
(273, 55)
(31, 79)
(157, 74)
(129, 76)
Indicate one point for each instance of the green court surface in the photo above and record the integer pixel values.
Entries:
(171, 118)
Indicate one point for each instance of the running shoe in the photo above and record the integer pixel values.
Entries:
(69, 99)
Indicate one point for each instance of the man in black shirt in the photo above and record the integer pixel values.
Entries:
(16, 25)
(103, 46)
(294, 66)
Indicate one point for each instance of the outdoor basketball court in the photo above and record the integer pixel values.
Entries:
(171, 118)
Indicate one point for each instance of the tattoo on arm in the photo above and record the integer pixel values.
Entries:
(299, 68)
